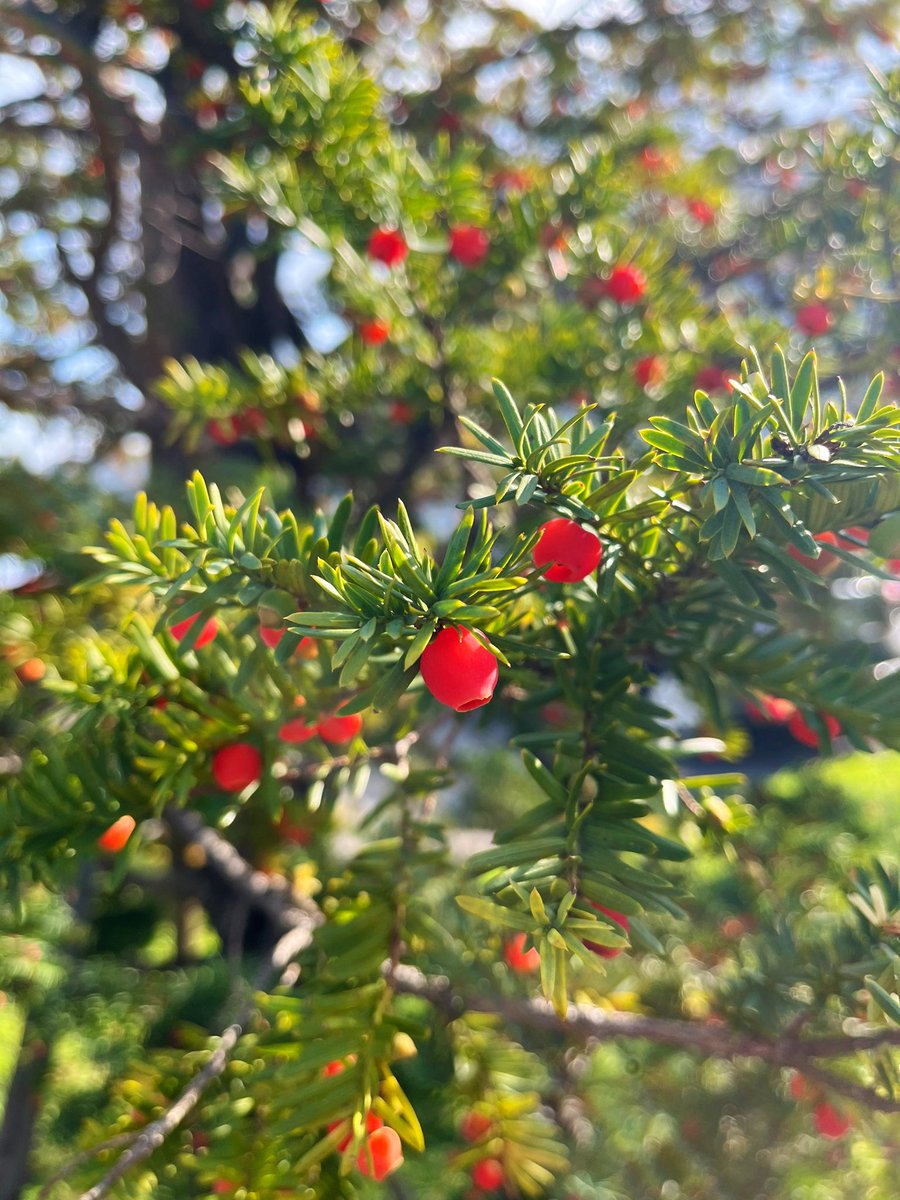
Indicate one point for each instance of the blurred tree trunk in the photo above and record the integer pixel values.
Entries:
(23, 1104)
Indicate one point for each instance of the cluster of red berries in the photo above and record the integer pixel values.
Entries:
(469, 246)
(828, 1120)
(239, 764)
(381, 1151)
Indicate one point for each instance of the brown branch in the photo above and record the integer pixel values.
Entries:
(271, 894)
(113, 1143)
(582, 1022)
(716, 1041)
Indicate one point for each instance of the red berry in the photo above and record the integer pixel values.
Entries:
(388, 246)
(519, 959)
(458, 670)
(380, 1154)
(798, 1087)
(224, 431)
(701, 211)
(712, 379)
(372, 1123)
(221, 1187)
(488, 1174)
(813, 319)
(293, 833)
(340, 730)
(374, 332)
(297, 731)
(207, 633)
(469, 245)
(117, 835)
(236, 766)
(859, 532)
(401, 414)
(654, 160)
(772, 708)
(474, 1126)
(626, 284)
(335, 1067)
(620, 919)
(824, 563)
(252, 421)
(32, 670)
(807, 736)
(307, 648)
(829, 1122)
(649, 371)
(572, 551)
(270, 635)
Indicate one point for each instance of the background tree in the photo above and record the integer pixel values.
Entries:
(485, 202)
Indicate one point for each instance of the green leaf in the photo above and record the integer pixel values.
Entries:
(870, 400)
(339, 523)
(324, 620)
(547, 782)
(720, 492)
(754, 475)
(885, 1001)
(509, 411)
(780, 386)
(419, 642)
(487, 910)
(485, 438)
(800, 392)
(455, 553)
(482, 456)
(527, 487)
(536, 904)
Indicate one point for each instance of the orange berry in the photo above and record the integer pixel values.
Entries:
(117, 835)
(517, 958)
(380, 1154)
(474, 1126)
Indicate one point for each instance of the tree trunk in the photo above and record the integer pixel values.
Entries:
(23, 1102)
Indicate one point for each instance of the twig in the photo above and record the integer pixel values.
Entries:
(591, 1024)
(113, 1143)
(152, 1137)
